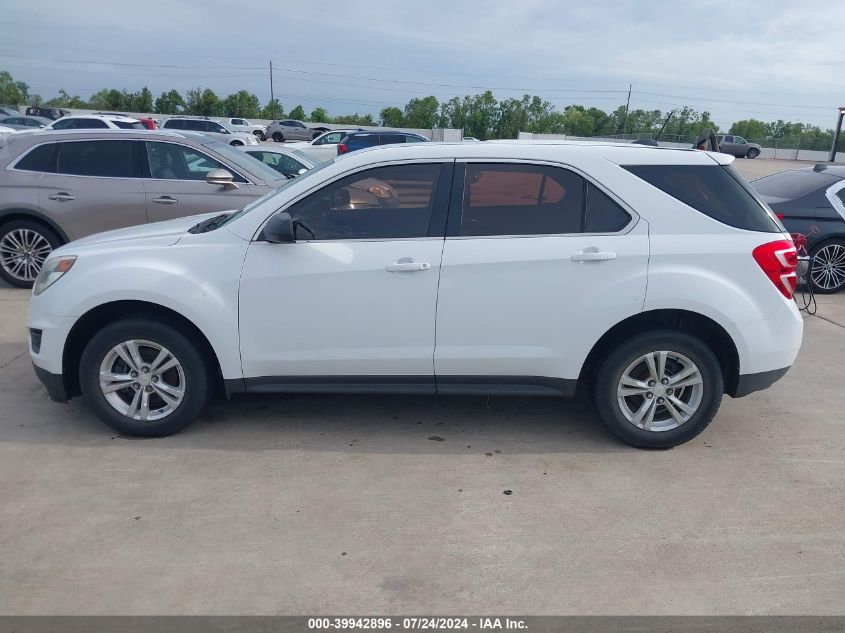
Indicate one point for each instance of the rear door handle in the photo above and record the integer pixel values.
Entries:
(406, 265)
(593, 255)
(62, 196)
(165, 200)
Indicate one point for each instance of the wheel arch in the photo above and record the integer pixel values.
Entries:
(106, 313)
(709, 331)
(32, 215)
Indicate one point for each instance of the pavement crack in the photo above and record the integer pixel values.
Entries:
(818, 316)
(10, 361)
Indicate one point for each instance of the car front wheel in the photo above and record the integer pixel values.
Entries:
(658, 389)
(752, 153)
(143, 377)
(259, 135)
(828, 272)
(24, 247)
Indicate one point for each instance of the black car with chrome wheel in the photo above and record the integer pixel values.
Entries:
(811, 201)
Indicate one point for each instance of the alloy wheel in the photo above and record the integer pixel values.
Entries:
(660, 391)
(828, 271)
(23, 253)
(142, 380)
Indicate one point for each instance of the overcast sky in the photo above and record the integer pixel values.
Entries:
(768, 59)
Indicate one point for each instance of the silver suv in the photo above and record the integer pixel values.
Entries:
(210, 128)
(292, 130)
(738, 146)
(60, 186)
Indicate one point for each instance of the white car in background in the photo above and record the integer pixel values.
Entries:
(657, 278)
(96, 122)
(324, 147)
(213, 129)
(238, 124)
(6, 130)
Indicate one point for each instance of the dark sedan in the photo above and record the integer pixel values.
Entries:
(811, 201)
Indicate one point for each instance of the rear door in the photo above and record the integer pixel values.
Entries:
(175, 186)
(94, 186)
(538, 263)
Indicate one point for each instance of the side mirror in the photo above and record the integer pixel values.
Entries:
(279, 229)
(222, 178)
(302, 171)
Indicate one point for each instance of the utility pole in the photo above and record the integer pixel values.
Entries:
(627, 106)
(836, 133)
(272, 99)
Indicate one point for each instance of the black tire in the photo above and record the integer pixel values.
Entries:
(278, 137)
(260, 135)
(609, 374)
(820, 250)
(196, 374)
(752, 153)
(25, 225)
(236, 143)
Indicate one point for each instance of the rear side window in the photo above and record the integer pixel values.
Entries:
(92, 124)
(711, 190)
(112, 159)
(521, 200)
(603, 214)
(129, 125)
(175, 124)
(389, 139)
(38, 159)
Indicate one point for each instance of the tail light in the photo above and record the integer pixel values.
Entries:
(779, 216)
(342, 148)
(779, 260)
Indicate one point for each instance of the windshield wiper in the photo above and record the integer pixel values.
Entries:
(210, 224)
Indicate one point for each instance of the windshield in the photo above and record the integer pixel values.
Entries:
(252, 205)
(243, 160)
(304, 158)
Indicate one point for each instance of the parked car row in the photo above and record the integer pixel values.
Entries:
(659, 279)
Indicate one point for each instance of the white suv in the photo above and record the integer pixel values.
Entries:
(96, 122)
(655, 276)
(209, 128)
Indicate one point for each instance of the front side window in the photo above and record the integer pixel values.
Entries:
(728, 139)
(110, 159)
(332, 137)
(169, 161)
(216, 127)
(740, 140)
(282, 163)
(510, 199)
(92, 124)
(390, 139)
(175, 124)
(392, 202)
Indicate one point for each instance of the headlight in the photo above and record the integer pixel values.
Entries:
(51, 272)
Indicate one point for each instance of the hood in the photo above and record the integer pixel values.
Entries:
(153, 234)
(298, 144)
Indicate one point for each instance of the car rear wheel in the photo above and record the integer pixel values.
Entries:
(752, 153)
(658, 389)
(278, 137)
(143, 377)
(24, 247)
(828, 272)
(259, 135)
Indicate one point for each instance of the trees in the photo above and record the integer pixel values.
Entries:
(241, 104)
(391, 117)
(319, 115)
(64, 100)
(481, 115)
(170, 102)
(421, 113)
(12, 92)
(750, 129)
(273, 110)
(203, 103)
(355, 119)
(297, 113)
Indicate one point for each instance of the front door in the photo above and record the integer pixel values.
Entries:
(175, 185)
(94, 186)
(538, 265)
(351, 304)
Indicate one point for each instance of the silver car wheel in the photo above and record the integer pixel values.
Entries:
(828, 271)
(23, 253)
(142, 380)
(660, 391)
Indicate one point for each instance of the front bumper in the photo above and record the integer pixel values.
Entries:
(55, 383)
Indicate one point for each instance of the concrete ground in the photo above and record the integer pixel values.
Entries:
(398, 505)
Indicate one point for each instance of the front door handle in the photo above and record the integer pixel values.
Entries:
(165, 200)
(62, 196)
(406, 265)
(593, 255)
